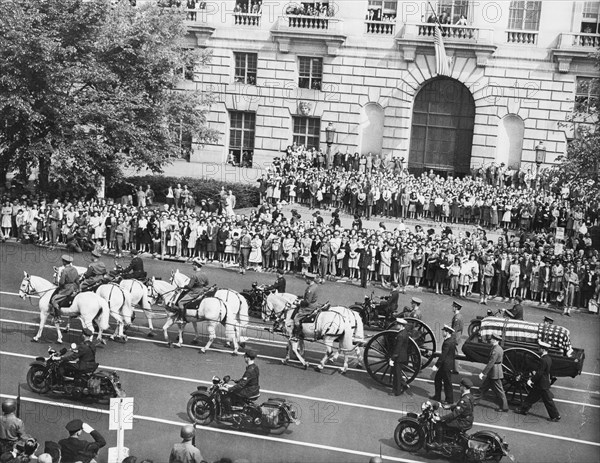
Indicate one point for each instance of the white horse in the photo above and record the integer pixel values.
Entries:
(211, 311)
(85, 306)
(334, 324)
(235, 302)
(119, 302)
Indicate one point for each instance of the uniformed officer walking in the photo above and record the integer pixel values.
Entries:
(540, 384)
(68, 284)
(443, 367)
(493, 374)
(457, 325)
(399, 359)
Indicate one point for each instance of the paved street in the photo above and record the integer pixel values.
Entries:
(344, 418)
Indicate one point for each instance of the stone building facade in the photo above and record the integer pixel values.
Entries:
(515, 71)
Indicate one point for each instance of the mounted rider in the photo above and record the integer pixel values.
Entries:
(95, 274)
(81, 358)
(308, 303)
(68, 285)
(135, 270)
(196, 288)
(280, 283)
(389, 307)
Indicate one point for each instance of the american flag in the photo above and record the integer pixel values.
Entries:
(441, 60)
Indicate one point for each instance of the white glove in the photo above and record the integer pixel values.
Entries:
(434, 368)
(481, 376)
(87, 428)
(391, 362)
(530, 383)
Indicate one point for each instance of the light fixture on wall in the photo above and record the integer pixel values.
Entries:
(540, 153)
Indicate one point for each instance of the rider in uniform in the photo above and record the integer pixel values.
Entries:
(81, 357)
(246, 387)
(135, 270)
(461, 418)
(95, 273)
(280, 283)
(67, 285)
(390, 306)
(415, 309)
(308, 303)
(195, 288)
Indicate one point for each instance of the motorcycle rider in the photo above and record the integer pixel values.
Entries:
(81, 358)
(95, 274)
(135, 269)
(246, 387)
(280, 283)
(195, 288)
(67, 285)
(12, 429)
(461, 418)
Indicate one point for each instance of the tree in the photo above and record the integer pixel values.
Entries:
(580, 167)
(90, 87)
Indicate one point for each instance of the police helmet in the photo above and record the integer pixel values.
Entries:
(9, 406)
(187, 431)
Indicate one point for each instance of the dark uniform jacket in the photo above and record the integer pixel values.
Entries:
(446, 358)
(310, 297)
(248, 386)
(74, 449)
(278, 286)
(86, 356)
(462, 413)
(400, 353)
(541, 379)
(516, 313)
(196, 284)
(457, 324)
(94, 274)
(392, 303)
(68, 281)
(135, 269)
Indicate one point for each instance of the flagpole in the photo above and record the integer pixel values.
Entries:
(434, 13)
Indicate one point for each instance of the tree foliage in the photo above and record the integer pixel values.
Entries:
(580, 167)
(89, 87)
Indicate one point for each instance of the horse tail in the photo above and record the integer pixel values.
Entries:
(359, 332)
(243, 316)
(104, 315)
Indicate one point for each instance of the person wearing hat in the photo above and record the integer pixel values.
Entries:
(185, 451)
(247, 386)
(81, 358)
(74, 449)
(461, 418)
(135, 269)
(195, 288)
(516, 313)
(457, 325)
(493, 374)
(308, 302)
(389, 307)
(280, 283)
(415, 309)
(68, 285)
(12, 429)
(95, 274)
(540, 386)
(444, 366)
(399, 358)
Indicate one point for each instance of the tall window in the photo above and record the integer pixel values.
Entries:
(245, 68)
(590, 23)
(241, 137)
(586, 93)
(382, 10)
(451, 11)
(307, 131)
(524, 15)
(310, 72)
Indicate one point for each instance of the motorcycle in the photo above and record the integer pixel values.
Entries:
(416, 431)
(44, 376)
(206, 405)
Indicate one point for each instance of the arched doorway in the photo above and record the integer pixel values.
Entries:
(442, 127)
(371, 129)
(510, 141)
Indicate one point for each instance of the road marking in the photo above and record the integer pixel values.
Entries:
(213, 349)
(310, 398)
(217, 430)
